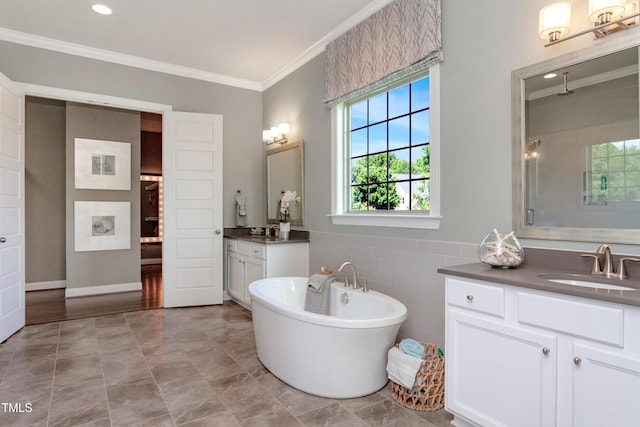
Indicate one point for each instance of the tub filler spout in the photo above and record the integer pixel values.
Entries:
(355, 274)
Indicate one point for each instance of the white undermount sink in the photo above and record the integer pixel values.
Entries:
(584, 282)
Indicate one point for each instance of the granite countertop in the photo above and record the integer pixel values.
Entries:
(528, 275)
(296, 236)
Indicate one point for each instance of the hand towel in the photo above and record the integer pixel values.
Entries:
(412, 348)
(241, 211)
(317, 299)
(402, 368)
(318, 281)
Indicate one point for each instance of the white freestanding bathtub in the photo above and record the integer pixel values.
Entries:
(342, 355)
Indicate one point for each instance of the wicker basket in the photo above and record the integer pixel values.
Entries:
(427, 393)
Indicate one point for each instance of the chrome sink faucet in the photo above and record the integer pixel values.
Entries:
(607, 268)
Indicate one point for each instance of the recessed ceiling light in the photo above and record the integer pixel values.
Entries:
(101, 9)
(550, 75)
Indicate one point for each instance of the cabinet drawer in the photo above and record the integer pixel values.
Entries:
(232, 245)
(244, 248)
(258, 251)
(475, 296)
(592, 321)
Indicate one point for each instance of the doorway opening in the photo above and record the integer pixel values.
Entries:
(45, 300)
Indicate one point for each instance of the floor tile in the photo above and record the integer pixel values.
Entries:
(135, 401)
(178, 367)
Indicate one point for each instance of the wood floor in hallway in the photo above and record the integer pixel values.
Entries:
(52, 306)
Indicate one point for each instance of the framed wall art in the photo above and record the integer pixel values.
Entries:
(102, 226)
(102, 165)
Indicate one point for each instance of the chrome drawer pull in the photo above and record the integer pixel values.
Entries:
(470, 297)
(545, 350)
(577, 361)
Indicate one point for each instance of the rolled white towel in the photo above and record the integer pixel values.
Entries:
(402, 368)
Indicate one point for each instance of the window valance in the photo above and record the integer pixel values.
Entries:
(400, 38)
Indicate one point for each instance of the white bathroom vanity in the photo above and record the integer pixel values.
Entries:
(523, 351)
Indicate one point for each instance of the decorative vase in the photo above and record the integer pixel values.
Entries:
(501, 250)
(285, 229)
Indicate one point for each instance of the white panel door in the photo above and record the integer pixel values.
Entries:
(12, 315)
(192, 264)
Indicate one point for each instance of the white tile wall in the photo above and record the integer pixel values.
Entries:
(405, 269)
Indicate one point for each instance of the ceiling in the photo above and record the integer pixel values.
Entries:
(245, 43)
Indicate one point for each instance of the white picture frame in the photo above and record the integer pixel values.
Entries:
(102, 226)
(102, 165)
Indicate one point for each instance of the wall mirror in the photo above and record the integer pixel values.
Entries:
(576, 148)
(150, 208)
(285, 171)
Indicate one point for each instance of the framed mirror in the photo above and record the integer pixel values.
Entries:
(150, 208)
(285, 172)
(576, 147)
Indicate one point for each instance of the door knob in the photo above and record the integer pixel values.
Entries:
(3, 239)
(217, 231)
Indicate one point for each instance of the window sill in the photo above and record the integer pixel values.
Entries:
(388, 220)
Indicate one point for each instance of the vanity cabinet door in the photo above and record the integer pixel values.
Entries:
(235, 275)
(254, 269)
(498, 374)
(605, 385)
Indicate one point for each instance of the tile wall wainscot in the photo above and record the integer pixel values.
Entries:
(405, 269)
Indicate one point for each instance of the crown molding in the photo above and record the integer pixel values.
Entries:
(122, 59)
(193, 73)
(319, 47)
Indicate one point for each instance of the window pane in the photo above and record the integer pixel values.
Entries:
(403, 189)
(420, 94)
(420, 128)
(632, 146)
(359, 170)
(383, 196)
(616, 148)
(420, 162)
(359, 142)
(420, 195)
(616, 179)
(399, 165)
(359, 198)
(378, 138)
(399, 101)
(399, 133)
(358, 115)
(633, 179)
(632, 162)
(599, 165)
(616, 163)
(378, 108)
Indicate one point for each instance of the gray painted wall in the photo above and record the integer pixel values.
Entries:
(244, 164)
(483, 42)
(475, 157)
(45, 227)
(93, 268)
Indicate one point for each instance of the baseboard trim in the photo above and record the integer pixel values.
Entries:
(44, 286)
(102, 289)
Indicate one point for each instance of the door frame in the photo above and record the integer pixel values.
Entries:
(94, 99)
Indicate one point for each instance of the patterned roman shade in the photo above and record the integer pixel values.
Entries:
(400, 38)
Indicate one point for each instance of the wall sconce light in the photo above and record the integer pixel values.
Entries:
(554, 21)
(277, 134)
(607, 16)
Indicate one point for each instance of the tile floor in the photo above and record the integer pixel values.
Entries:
(192, 366)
